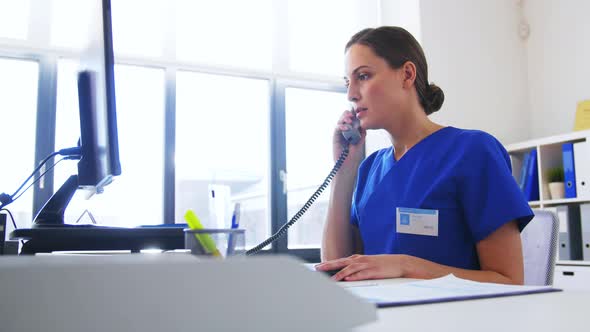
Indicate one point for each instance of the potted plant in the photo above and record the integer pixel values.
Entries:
(556, 183)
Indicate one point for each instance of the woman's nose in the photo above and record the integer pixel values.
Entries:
(352, 94)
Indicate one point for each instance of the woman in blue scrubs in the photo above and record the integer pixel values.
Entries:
(440, 200)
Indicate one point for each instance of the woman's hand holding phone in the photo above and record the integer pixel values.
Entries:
(348, 132)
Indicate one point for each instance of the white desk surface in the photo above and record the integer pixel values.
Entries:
(558, 311)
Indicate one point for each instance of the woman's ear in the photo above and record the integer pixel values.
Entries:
(409, 72)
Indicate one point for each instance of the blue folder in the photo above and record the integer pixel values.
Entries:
(531, 188)
(523, 170)
(569, 172)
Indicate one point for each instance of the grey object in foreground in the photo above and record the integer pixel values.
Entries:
(180, 292)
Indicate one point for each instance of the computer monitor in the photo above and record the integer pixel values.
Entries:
(98, 117)
(99, 145)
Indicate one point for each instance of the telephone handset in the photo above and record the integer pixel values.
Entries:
(352, 136)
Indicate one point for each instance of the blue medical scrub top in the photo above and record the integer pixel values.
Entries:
(464, 174)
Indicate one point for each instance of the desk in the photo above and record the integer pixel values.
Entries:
(558, 311)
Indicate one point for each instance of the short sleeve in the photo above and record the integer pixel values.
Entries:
(488, 193)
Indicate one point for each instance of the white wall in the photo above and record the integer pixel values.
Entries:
(476, 56)
(558, 55)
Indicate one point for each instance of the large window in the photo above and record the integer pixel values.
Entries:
(201, 102)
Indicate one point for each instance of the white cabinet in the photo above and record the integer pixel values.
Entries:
(572, 275)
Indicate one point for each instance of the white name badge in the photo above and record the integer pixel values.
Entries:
(417, 221)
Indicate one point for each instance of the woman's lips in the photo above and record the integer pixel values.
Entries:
(360, 111)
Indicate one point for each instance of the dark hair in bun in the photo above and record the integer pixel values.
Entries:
(434, 98)
(397, 46)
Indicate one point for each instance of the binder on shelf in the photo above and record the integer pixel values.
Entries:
(569, 170)
(570, 237)
(531, 187)
(585, 221)
(581, 165)
(523, 170)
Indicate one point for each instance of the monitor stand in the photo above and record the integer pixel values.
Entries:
(50, 233)
(52, 213)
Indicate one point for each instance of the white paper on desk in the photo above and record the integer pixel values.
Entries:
(448, 288)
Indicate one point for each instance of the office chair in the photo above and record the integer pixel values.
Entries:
(539, 247)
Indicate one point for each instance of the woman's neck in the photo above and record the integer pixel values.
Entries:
(413, 131)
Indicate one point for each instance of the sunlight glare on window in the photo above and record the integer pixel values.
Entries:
(18, 109)
(222, 138)
(206, 115)
(311, 117)
(14, 18)
(314, 113)
(69, 27)
(138, 27)
(140, 122)
(67, 121)
(225, 32)
(317, 37)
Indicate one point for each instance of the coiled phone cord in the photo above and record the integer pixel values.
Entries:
(306, 206)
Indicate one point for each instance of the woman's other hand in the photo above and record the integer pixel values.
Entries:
(363, 267)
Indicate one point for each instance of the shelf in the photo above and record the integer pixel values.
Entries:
(557, 139)
(576, 263)
(554, 202)
(549, 154)
(551, 202)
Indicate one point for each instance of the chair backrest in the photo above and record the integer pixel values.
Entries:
(539, 247)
